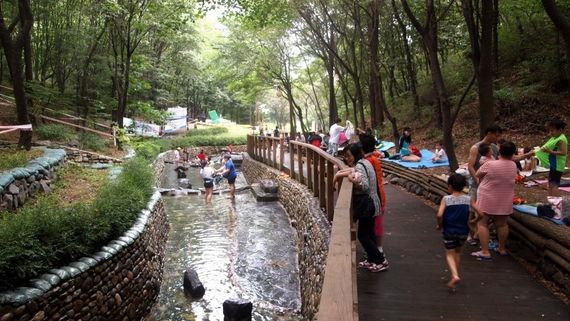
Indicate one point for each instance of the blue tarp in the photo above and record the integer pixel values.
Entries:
(385, 145)
(532, 210)
(424, 163)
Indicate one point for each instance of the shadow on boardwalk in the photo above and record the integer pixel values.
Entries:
(414, 286)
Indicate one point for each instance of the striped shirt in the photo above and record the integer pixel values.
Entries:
(497, 187)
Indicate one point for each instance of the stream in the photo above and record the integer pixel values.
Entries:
(245, 250)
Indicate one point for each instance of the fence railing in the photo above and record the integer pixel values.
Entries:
(315, 168)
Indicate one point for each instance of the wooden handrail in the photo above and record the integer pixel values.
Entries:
(76, 126)
(339, 293)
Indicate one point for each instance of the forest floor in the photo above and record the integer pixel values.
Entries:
(523, 124)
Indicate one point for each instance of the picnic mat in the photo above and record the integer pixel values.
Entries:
(424, 163)
(564, 184)
(385, 145)
(531, 210)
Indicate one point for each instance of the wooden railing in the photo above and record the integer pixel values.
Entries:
(315, 168)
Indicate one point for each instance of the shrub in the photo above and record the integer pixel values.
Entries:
(92, 142)
(147, 149)
(55, 132)
(12, 158)
(46, 235)
(212, 131)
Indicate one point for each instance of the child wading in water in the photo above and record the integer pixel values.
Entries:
(452, 218)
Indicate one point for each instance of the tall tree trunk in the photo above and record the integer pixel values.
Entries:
(13, 51)
(333, 108)
(429, 38)
(410, 68)
(562, 24)
(486, 103)
(495, 38)
(376, 111)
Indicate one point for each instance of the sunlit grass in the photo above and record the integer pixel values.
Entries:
(12, 158)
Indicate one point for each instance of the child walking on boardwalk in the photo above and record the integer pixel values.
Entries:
(452, 218)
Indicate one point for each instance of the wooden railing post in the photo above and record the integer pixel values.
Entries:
(315, 174)
(291, 160)
(322, 182)
(310, 169)
(330, 191)
(282, 154)
(275, 145)
(300, 162)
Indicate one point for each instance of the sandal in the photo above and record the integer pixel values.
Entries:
(473, 242)
(364, 264)
(481, 257)
(374, 268)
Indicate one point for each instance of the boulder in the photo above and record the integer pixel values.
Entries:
(269, 186)
(192, 284)
(237, 310)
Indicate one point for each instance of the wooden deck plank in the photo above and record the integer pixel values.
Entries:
(414, 286)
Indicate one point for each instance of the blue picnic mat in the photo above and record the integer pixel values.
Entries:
(385, 145)
(531, 210)
(424, 163)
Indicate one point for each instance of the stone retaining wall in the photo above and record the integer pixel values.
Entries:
(211, 150)
(19, 184)
(311, 224)
(118, 283)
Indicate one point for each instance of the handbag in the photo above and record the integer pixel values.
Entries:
(362, 205)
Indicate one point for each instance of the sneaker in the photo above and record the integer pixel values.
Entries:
(364, 264)
(378, 267)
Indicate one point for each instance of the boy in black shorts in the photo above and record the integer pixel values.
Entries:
(452, 219)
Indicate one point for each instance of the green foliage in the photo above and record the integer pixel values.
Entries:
(148, 113)
(55, 132)
(12, 158)
(47, 235)
(212, 131)
(92, 142)
(147, 149)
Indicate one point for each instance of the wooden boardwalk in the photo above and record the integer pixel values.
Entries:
(414, 286)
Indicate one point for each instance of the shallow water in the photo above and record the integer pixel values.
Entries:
(242, 250)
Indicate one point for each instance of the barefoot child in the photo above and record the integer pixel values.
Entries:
(452, 218)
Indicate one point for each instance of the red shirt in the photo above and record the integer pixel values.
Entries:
(201, 156)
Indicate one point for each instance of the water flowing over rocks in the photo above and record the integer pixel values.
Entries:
(311, 224)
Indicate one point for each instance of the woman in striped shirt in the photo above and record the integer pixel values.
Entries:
(495, 198)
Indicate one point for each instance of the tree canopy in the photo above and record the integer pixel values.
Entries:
(294, 64)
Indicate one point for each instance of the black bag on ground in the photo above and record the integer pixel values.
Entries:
(545, 211)
(362, 206)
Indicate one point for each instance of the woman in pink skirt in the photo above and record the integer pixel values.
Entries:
(495, 198)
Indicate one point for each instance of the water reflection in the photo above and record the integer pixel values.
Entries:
(241, 250)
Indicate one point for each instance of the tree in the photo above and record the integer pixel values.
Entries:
(562, 24)
(428, 33)
(15, 37)
(482, 56)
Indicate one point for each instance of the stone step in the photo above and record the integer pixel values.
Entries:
(262, 196)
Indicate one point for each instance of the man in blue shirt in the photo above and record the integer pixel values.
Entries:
(229, 172)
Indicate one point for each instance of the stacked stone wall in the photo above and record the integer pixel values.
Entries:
(311, 224)
(120, 282)
(19, 184)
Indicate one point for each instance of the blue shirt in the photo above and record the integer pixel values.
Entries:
(456, 215)
(230, 165)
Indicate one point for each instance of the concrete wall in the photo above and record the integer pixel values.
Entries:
(311, 224)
